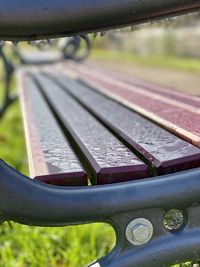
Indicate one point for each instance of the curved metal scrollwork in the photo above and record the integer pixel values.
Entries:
(75, 48)
(69, 49)
(72, 48)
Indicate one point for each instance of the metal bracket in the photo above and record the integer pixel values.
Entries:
(31, 202)
(166, 248)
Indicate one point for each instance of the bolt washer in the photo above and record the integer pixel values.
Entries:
(139, 231)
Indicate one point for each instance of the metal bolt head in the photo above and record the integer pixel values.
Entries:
(139, 231)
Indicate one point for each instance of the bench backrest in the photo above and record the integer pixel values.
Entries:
(22, 19)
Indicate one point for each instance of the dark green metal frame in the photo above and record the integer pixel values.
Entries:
(8, 96)
(30, 202)
(22, 19)
(33, 203)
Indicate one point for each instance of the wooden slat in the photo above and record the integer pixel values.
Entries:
(193, 101)
(156, 93)
(40, 58)
(51, 159)
(163, 149)
(106, 159)
(179, 118)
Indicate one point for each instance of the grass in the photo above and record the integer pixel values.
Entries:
(169, 62)
(24, 246)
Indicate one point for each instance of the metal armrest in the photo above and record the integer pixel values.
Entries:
(22, 19)
(30, 202)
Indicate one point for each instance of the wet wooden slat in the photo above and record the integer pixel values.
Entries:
(158, 93)
(174, 117)
(164, 150)
(51, 159)
(151, 87)
(106, 159)
(40, 58)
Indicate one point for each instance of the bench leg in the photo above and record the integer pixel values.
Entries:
(8, 97)
(136, 210)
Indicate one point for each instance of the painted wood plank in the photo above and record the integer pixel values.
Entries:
(189, 103)
(105, 158)
(176, 118)
(170, 93)
(164, 150)
(51, 159)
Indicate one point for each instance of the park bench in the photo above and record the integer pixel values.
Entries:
(102, 146)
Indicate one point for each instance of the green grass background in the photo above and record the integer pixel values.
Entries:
(23, 246)
(161, 61)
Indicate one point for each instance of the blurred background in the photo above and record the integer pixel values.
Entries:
(165, 52)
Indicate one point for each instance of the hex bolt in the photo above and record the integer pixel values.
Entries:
(139, 231)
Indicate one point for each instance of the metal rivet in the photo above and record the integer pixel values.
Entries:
(139, 231)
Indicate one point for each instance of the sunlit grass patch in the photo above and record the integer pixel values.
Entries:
(22, 246)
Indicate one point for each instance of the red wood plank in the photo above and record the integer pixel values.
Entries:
(162, 149)
(106, 159)
(175, 117)
(168, 97)
(151, 87)
(51, 159)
